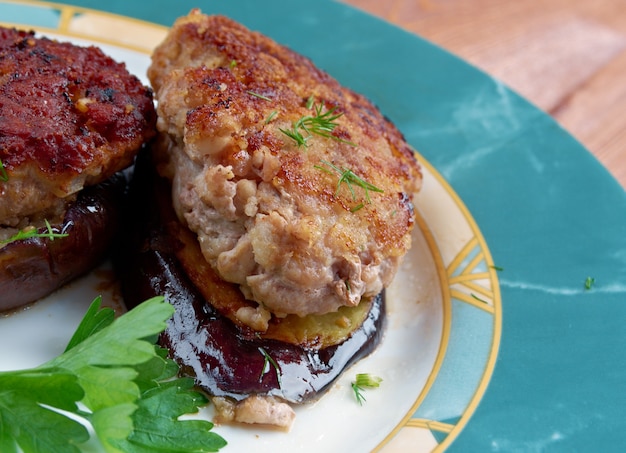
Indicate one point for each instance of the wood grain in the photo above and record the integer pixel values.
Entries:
(568, 57)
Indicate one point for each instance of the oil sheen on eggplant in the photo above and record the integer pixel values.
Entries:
(33, 268)
(226, 359)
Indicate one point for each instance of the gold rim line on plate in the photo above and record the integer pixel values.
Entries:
(69, 12)
(496, 313)
(445, 334)
(447, 279)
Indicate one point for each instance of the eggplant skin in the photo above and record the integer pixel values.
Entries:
(33, 268)
(225, 359)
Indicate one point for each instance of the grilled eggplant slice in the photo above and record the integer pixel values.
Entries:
(34, 267)
(226, 358)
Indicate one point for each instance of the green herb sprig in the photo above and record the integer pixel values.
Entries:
(4, 177)
(273, 114)
(350, 179)
(320, 123)
(257, 95)
(34, 233)
(364, 380)
(269, 360)
(113, 378)
(479, 299)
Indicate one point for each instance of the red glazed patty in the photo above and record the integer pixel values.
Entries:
(70, 117)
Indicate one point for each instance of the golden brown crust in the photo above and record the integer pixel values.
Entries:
(226, 96)
(69, 117)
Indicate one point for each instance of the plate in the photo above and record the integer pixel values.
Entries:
(443, 307)
(551, 214)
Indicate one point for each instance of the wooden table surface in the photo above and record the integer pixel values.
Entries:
(568, 57)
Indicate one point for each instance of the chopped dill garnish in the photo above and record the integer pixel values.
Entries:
(496, 268)
(3, 172)
(273, 114)
(320, 123)
(309, 102)
(478, 298)
(269, 360)
(589, 282)
(358, 393)
(350, 178)
(257, 95)
(31, 232)
(364, 380)
(357, 207)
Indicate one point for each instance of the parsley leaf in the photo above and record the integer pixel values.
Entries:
(26, 417)
(112, 377)
(94, 320)
(157, 415)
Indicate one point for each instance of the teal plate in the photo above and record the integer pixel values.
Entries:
(550, 214)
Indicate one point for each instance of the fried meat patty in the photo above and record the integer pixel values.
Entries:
(69, 117)
(298, 189)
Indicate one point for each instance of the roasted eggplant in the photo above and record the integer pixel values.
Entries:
(225, 357)
(33, 267)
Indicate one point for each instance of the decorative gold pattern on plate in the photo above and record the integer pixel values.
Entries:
(468, 276)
